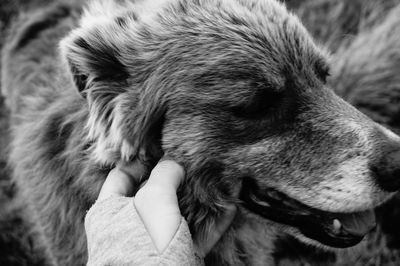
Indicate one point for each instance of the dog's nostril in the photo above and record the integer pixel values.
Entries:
(387, 171)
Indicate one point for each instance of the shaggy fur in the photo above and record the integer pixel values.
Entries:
(234, 90)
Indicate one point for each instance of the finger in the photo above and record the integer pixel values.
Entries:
(117, 183)
(157, 203)
(167, 174)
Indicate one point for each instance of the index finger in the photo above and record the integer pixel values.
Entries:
(122, 180)
(117, 183)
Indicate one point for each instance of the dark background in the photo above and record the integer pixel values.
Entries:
(333, 23)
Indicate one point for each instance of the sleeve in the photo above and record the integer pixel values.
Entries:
(116, 235)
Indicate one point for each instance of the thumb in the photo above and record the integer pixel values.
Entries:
(122, 180)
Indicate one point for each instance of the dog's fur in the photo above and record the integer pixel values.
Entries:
(233, 90)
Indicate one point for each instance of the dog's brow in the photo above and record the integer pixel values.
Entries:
(322, 69)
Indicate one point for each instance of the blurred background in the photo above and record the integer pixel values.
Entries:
(364, 39)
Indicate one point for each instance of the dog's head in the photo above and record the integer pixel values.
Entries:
(235, 91)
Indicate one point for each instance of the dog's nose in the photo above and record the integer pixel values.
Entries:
(387, 171)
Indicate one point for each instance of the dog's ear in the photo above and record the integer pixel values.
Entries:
(92, 51)
(124, 114)
(94, 63)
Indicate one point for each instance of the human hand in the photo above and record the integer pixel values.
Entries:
(157, 203)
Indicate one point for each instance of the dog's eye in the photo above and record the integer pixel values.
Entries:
(323, 72)
(262, 103)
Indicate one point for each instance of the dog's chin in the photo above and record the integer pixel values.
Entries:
(337, 230)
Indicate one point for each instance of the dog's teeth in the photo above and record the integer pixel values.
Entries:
(265, 204)
(336, 225)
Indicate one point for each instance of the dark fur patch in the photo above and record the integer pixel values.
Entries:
(322, 70)
(79, 78)
(103, 60)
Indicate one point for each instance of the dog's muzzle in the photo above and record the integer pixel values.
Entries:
(338, 230)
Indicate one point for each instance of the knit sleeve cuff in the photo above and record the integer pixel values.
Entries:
(180, 250)
(116, 235)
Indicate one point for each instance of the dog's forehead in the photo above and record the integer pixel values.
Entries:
(245, 44)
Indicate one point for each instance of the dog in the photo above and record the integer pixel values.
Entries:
(235, 91)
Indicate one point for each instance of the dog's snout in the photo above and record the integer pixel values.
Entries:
(387, 171)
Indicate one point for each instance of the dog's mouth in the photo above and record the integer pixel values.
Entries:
(338, 230)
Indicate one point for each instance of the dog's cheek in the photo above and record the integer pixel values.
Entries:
(203, 196)
(207, 188)
(199, 194)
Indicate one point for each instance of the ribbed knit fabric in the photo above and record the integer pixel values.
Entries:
(116, 235)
